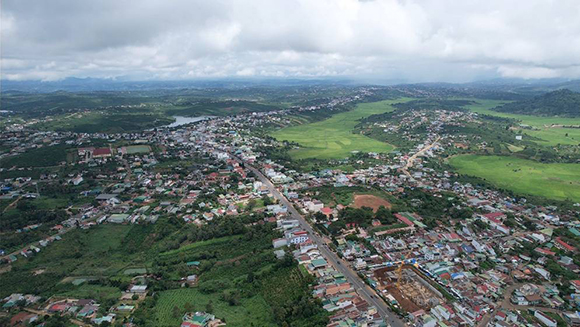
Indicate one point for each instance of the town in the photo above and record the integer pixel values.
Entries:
(390, 239)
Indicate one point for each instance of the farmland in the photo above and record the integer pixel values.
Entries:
(544, 128)
(232, 284)
(250, 309)
(334, 137)
(557, 181)
(40, 157)
(105, 121)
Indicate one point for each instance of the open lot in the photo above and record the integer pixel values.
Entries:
(545, 128)
(370, 201)
(557, 181)
(333, 137)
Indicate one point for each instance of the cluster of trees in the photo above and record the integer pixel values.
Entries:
(563, 103)
(27, 213)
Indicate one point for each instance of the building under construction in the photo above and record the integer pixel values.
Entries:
(409, 286)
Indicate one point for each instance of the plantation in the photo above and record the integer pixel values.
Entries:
(253, 309)
(236, 278)
(559, 181)
(40, 157)
(106, 122)
(334, 137)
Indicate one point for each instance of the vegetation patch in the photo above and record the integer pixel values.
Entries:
(334, 138)
(548, 130)
(559, 181)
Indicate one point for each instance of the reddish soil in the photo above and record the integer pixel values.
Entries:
(371, 201)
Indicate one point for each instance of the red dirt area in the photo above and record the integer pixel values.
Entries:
(370, 201)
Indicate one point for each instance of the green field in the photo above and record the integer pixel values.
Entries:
(133, 149)
(540, 125)
(333, 138)
(559, 181)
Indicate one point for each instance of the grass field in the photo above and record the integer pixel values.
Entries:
(133, 149)
(333, 138)
(557, 181)
(540, 125)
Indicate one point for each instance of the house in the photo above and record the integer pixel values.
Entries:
(545, 319)
(279, 242)
(563, 245)
(493, 220)
(326, 211)
(315, 206)
(139, 289)
(77, 180)
(572, 318)
(102, 153)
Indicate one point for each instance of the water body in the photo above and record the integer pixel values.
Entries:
(181, 120)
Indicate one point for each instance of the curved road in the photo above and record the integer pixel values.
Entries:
(362, 289)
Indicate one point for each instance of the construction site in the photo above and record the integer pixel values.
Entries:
(409, 287)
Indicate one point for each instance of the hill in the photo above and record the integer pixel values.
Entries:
(564, 103)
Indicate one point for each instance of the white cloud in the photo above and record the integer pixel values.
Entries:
(413, 39)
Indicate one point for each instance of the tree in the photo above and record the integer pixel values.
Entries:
(385, 216)
(209, 307)
(267, 201)
(176, 312)
(250, 277)
(189, 307)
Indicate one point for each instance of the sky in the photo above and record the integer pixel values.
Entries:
(414, 40)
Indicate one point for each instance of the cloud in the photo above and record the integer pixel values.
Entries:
(417, 40)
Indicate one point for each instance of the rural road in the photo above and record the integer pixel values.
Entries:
(411, 159)
(362, 289)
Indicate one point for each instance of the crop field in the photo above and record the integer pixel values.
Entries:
(333, 138)
(544, 128)
(557, 181)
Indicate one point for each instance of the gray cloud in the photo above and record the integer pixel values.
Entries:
(182, 39)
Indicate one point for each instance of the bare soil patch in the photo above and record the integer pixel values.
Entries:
(370, 201)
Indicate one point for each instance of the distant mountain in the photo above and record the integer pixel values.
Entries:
(564, 103)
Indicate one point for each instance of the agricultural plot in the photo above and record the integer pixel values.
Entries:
(559, 181)
(45, 156)
(105, 122)
(333, 138)
(549, 129)
(239, 280)
(254, 309)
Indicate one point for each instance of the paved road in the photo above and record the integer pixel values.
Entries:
(362, 289)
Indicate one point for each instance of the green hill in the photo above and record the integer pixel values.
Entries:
(564, 103)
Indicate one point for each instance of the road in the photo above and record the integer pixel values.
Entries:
(411, 159)
(362, 289)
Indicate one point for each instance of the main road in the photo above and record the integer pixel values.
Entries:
(362, 289)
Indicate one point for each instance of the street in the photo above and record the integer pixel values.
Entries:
(366, 292)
